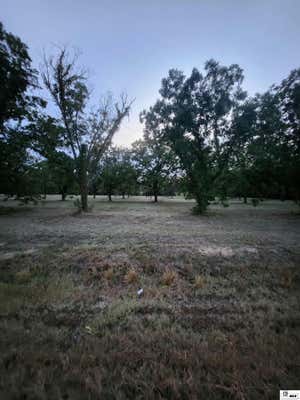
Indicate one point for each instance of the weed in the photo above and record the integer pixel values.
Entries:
(23, 276)
(118, 312)
(287, 278)
(169, 277)
(108, 274)
(131, 276)
(199, 282)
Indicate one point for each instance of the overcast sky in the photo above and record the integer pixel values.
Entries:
(131, 44)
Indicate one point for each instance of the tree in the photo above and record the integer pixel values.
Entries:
(87, 134)
(154, 163)
(117, 174)
(17, 108)
(289, 98)
(265, 152)
(255, 161)
(127, 173)
(109, 178)
(62, 173)
(14, 163)
(193, 117)
(16, 78)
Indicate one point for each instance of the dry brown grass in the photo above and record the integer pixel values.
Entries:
(23, 276)
(109, 274)
(199, 282)
(76, 331)
(131, 276)
(169, 277)
(286, 279)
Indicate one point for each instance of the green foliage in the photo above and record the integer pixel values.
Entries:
(156, 164)
(16, 77)
(203, 137)
(264, 162)
(193, 118)
(17, 108)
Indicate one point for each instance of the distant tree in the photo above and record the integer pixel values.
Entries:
(87, 134)
(154, 162)
(117, 174)
(109, 177)
(193, 117)
(62, 173)
(127, 173)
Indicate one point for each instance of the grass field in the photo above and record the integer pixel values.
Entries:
(218, 318)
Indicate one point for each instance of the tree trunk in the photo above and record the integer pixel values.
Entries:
(45, 191)
(83, 177)
(123, 195)
(63, 196)
(202, 204)
(155, 190)
(109, 197)
(245, 200)
(199, 192)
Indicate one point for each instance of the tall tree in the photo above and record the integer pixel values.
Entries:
(289, 97)
(17, 107)
(193, 116)
(87, 133)
(16, 78)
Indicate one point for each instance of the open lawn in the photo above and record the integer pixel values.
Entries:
(219, 316)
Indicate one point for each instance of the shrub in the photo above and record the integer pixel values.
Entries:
(23, 276)
(255, 202)
(169, 277)
(225, 203)
(77, 204)
(108, 274)
(131, 276)
(199, 282)
(287, 278)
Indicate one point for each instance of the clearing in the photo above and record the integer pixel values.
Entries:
(218, 318)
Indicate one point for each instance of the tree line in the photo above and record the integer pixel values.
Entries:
(204, 136)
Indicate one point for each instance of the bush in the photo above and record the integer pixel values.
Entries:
(29, 199)
(108, 274)
(169, 277)
(225, 203)
(77, 203)
(131, 276)
(199, 282)
(255, 202)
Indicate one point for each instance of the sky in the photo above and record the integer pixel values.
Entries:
(129, 45)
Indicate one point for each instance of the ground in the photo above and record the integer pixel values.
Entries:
(218, 316)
